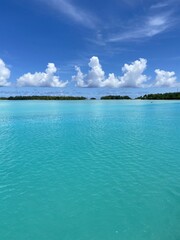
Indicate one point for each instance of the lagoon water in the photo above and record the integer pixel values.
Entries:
(89, 170)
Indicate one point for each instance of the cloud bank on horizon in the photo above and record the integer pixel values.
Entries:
(133, 76)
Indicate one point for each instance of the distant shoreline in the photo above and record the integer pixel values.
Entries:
(158, 96)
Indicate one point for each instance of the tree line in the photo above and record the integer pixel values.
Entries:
(115, 97)
(161, 96)
(43, 98)
(156, 96)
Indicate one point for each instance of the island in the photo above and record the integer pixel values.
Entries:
(161, 96)
(115, 97)
(43, 98)
(155, 96)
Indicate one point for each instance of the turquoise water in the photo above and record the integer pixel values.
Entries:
(90, 170)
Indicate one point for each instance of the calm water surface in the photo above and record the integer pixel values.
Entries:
(90, 170)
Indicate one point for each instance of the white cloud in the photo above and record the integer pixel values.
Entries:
(4, 74)
(112, 81)
(165, 78)
(96, 75)
(133, 75)
(79, 78)
(42, 79)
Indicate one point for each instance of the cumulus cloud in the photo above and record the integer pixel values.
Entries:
(79, 77)
(165, 78)
(42, 79)
(133, 75)
(4, 74)
(96, 75)
(112, 81)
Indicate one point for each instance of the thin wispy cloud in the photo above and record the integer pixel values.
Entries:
(74, 12)
(160, 5)
(146, 27)
(154, 19)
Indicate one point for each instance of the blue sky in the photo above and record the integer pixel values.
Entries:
(135, 41)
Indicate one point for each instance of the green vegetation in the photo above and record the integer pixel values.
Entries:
(158, 96)
(43, 98)
(161, 96)
(115, 97)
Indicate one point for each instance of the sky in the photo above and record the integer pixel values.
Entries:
(77, 45)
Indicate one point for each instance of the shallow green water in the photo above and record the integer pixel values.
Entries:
(90, 170)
